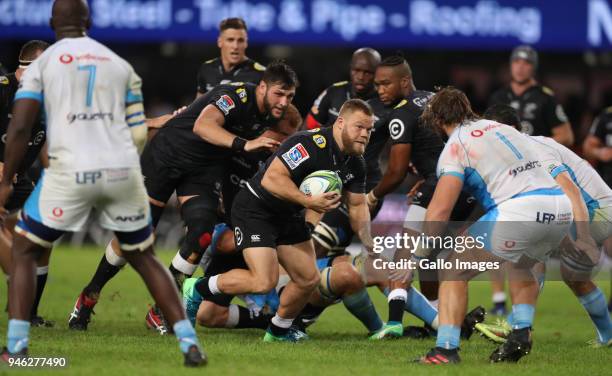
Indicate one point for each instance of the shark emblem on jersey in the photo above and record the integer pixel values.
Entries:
(296, 156)
(225, 104)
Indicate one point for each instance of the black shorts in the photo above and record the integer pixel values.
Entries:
(338, 221)
(21, 191)
(257, 225)
(162, 178)
(221, 264)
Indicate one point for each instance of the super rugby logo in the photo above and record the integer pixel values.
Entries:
(296, 156)
(225, 104)
(396, 128)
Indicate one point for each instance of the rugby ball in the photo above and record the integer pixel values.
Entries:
(321, 181)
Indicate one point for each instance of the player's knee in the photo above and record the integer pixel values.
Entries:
(346, 279)
(308, 282)
(199, 216)
(263, 284)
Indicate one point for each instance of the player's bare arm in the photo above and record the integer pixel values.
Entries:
(397, 168)
(278, 182)
(563, 134)
(209, 126)
(359, 216)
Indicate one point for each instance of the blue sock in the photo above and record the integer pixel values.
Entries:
(186, 335)
(522, 316)
(448, 337)
(360, 305)
(18, 332)
(595, 304)
(418, 305)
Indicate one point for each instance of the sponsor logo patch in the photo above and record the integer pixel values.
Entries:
(320, 140)
(296, 156)
(225, 104)
(4, 80)
(242, 94)
(396, 128)
(255, 238)
(66, 58)
(238, 235)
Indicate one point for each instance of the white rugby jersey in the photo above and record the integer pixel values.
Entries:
(85, 88)
(556, 158)
(495, 162)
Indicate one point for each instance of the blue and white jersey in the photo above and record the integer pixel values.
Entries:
(495, 162)
(556, 158)
(85, 89)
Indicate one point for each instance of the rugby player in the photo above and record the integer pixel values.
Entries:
(410, 141)
(23, 185)
(324, 110)
(190, 156)
(541, 115)
(592, 206)
(269, 226)
(102, 174)
(233, 65)
(527, 216)
(598, 147)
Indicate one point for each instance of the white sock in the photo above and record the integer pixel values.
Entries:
(42, 270)
(113, 258)
(499, 297)
(183, 265)
(212, 285)
(232, 316)
(400, 294)
(281, 322)
(435, 323)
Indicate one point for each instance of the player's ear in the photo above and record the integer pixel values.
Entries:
(219, 41)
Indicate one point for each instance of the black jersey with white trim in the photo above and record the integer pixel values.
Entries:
(212, 73)
(326, 107)
(236, 102)
(8, 88)
(537, 108)
(405, 127)
(304, 153)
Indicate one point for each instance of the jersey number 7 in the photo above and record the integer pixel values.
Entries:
(90, 82)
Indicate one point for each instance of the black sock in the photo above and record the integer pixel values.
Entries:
(245, 321)
(277, 330)
(105, 272)
(41, 281)
(396, 310)
(308, 315)
(201, 287)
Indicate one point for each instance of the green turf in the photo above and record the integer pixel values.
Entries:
(117, 342)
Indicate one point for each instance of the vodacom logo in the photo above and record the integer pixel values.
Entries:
(66, 58)
(477, 133)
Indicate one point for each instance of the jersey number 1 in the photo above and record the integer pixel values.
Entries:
(91, 69)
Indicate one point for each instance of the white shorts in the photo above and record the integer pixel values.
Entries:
(529, 225)
(63, 201)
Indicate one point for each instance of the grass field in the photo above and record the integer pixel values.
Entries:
(117, 342)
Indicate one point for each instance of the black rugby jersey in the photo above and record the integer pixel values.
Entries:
(537, 108)
(304, 153)
(238, 105)
(405, 127)
(602, 129)
(378, 140)
(212, 73)
(326, 107)
(8, 87)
